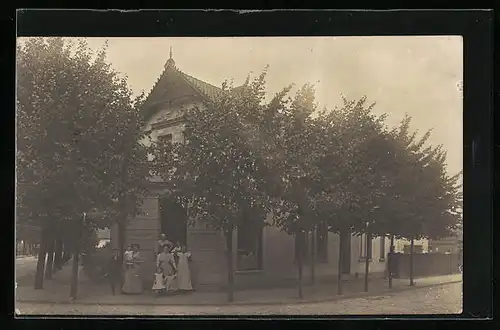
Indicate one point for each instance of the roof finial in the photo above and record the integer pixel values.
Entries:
(170, 61)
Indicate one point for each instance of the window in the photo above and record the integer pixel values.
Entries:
(305, 246)
(365, 244)
(249, 246)
(322, 243)
(416, 248)
(167, 138)
(382, 248)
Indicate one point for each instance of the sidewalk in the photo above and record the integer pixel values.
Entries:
(57, 291)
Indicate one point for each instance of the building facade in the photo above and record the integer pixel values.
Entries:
(261, 256)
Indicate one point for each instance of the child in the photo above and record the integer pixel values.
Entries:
(159, 283)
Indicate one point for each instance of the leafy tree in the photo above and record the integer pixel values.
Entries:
(288, 152)
(214, 173)
(349, 169)
(77, 139)
(430, 197)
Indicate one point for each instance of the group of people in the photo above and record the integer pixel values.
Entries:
(172, 269)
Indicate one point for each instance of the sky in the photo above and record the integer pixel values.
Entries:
(417, 75)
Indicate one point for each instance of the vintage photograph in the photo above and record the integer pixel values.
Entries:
(239, 175)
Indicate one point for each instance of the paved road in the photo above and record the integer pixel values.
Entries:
(443, 299)
(25, 266)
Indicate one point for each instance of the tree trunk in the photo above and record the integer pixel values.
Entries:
(341, 263)
(230, 269)
(121, 247)
(412, 283)
(74, 273)
(367, 259)
(58, 254)
(50, 257)
(300, 246)
(40, 264)
(76, 259)
(390, 261)
(313, 256)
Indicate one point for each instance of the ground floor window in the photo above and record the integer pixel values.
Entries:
(249, 239)
(382, 248)
(302, 246)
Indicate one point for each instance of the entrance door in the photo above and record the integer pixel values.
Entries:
(345, 241)
(173, 221)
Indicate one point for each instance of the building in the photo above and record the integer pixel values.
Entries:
(452, 244)
(262, 256)
(404, 245)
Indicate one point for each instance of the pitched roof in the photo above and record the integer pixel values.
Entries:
(156, 95)
(208, 90)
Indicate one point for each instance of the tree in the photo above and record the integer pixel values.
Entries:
(349, 170)
(78, 131)
(289, 150)
(421, 199)
(215, 173)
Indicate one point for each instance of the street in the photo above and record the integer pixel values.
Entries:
(25, 266)
(441, 299)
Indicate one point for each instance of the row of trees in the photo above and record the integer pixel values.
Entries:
(243, 157)
(340, 168)
(77, 149)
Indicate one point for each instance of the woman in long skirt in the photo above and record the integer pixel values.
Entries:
(165, 260)
(132, 279)
(184, 274)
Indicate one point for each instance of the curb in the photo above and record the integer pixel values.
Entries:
(290, 301)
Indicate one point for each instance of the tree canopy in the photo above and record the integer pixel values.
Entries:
(77, 133)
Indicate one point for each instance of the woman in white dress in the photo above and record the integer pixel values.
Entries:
(165, 260)
(183, 274)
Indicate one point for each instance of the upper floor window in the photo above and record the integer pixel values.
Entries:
(167, 138)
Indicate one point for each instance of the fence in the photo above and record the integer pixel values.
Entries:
(425, 264)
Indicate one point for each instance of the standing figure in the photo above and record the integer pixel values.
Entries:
(132, 279)
(165, 260)
(175, 251)
(184, 274)
(159, 283)
(161, 243)
(114, 272)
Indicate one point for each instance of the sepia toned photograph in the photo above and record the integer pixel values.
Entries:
(162, 176)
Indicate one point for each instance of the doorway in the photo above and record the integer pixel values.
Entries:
(173, 221)
(345, 241)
